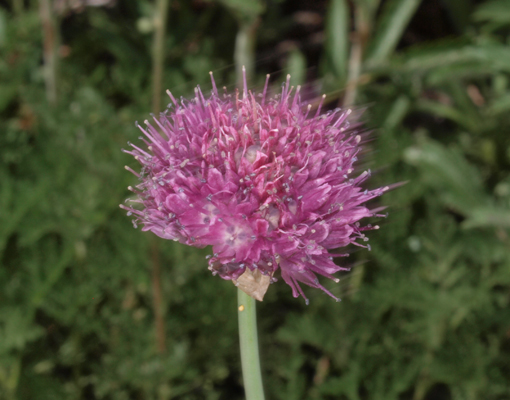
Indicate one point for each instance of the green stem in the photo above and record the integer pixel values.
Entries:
(50, 46)
(244, 53)
(158, 63)
(17, 5)
(158, 53)
(359, 39)
(249, 347)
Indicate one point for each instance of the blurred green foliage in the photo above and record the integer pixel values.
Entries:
(425, 315)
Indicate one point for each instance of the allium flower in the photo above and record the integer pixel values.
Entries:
(262, 181)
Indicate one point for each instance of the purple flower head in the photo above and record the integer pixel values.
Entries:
(265, 183)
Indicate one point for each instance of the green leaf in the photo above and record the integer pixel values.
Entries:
(296, 67)
(494, 11)
(397, 112)
(3, 28)
(458, 183)
(500, 105)
(16, 329)
(459, 12)
(393, 22)
(466, 70)
(488, 217)
(493, 56)
(447, 111)
(245, 11)
(337, 37)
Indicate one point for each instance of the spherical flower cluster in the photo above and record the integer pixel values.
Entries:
(263, 182)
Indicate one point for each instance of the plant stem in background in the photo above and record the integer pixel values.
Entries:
(359, 39)
(50, 43)
(158, 58)
(244, 53)
(9, 378)
(337, 37)
(157, 297)
(158, 53)
(250, 361)
(17, 6)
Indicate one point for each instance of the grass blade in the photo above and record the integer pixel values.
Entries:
(394, 21)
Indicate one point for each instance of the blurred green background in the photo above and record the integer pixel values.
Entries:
(91, 308)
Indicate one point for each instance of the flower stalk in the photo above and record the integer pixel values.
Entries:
(50, 46)
(244, 53)
(359, 40)
(250, 361)
(158, 52)
(158, 58)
